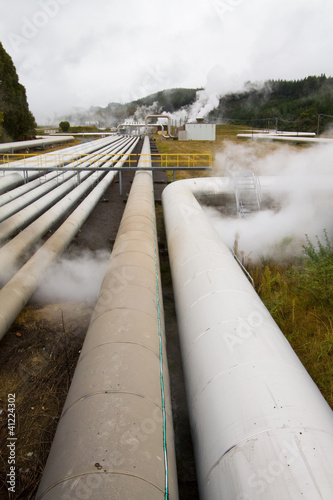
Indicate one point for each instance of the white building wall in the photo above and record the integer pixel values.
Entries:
(200, 131)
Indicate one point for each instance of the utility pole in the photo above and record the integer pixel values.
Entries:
(318, 125)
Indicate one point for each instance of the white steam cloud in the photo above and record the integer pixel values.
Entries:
(218, 84)
(298, 203)
(74, 279)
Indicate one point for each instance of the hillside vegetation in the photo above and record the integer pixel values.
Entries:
(289, 105)
(299, 296)
(114, 113)
(16, 120)
(292, 105)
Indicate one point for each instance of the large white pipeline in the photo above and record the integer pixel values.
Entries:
(28, 237)
(34, 194)
(23, 217)
(261, 429)
(50, 160)
(74, 150)
(34, 143)
(17, 292)
(168, 117)
(115, 435)
(21, 190)
(10, 181)
(26, 196)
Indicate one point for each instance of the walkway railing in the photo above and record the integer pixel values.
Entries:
(58, 160)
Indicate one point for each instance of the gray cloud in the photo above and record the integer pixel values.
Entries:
(77, 53)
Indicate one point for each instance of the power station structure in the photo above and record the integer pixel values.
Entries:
(198, 131)
(260, 427)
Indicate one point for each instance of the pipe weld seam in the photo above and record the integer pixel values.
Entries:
(235, 367)
(84, 474)
(248, 438)
(211, 327)
(119, 342)
(99, 393)
(120, 308)
(216, 292)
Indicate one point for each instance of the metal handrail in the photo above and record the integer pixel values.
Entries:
(167, 160)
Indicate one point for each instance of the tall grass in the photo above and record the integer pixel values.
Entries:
(300, 298)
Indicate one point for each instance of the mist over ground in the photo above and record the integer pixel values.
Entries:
(74, 279)
(298, 185)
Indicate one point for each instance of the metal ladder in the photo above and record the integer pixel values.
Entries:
(247, 192)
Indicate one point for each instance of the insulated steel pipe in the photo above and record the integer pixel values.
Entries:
(35, 143)
(21, 190)
(56, 159)
(161, 116)
(34, 194)
(22, 218)
(261, 429)
(16, 293)
(10, 181)
(114, 438)
(82, 149)
(20, 244)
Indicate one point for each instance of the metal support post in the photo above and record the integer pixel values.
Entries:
(120, 183)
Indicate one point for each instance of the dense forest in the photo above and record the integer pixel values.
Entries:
(292, 105)
(16, 120)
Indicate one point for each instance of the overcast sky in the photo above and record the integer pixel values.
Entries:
(80, 53)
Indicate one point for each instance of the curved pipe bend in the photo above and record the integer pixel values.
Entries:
(161, 116)
(261, 429)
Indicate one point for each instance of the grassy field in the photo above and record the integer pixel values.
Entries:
(226, 145)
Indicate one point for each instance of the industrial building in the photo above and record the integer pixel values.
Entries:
(198, 131)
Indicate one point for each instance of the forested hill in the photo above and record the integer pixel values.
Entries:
(16, 120)
(295, 104)
(166, 100)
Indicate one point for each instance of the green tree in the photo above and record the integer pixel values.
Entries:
(64, 126)
(18, 121)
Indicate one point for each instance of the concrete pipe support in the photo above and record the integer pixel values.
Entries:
(115, 435)
(260, 427)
